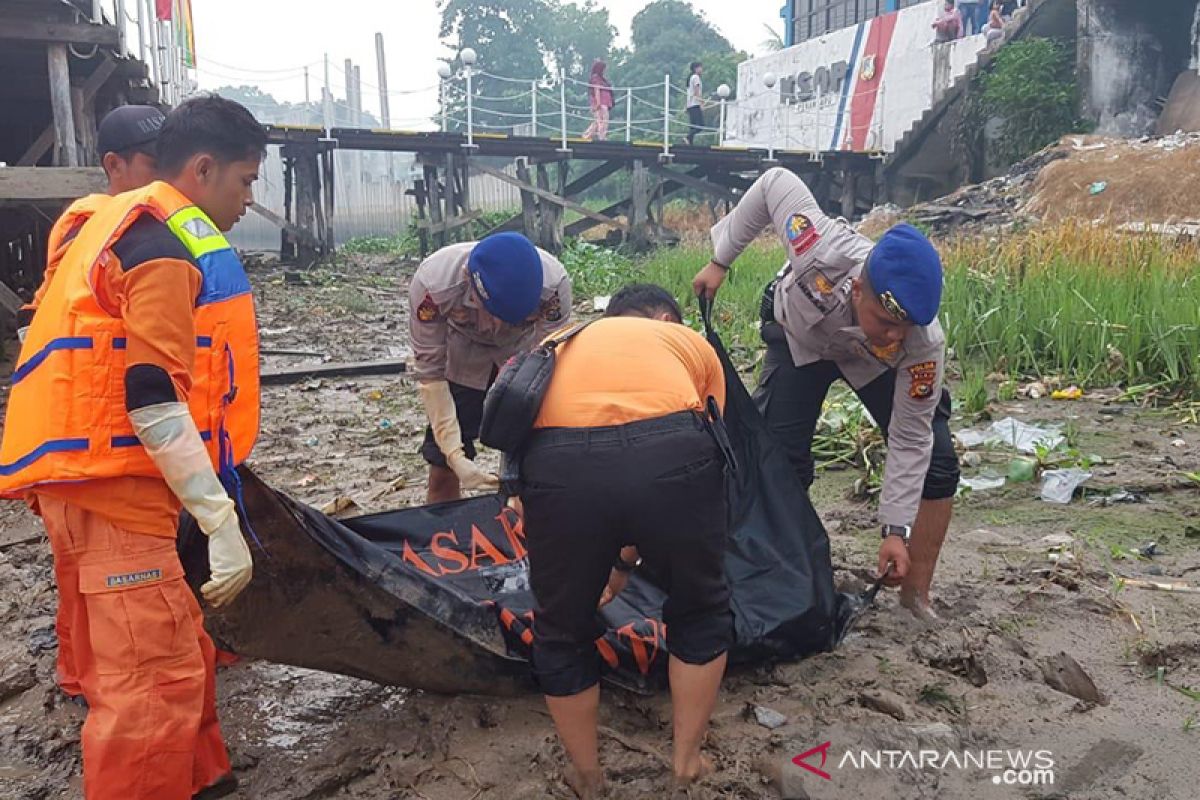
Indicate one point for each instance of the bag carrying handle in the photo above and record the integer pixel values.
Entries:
(706, 307)
(557, 338)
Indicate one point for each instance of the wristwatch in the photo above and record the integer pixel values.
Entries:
(903, 531)
(621, 565)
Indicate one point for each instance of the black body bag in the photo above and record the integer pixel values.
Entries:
(513, 401)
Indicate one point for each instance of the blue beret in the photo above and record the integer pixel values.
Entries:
(905, 272)
(506, 271)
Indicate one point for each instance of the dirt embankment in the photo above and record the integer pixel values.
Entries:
(1021, 583)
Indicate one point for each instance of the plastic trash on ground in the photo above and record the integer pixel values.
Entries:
(981, 483)
(1013, 433)
(1070, 393)
(1059, 485)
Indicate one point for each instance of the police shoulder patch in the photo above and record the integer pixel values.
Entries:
(428, 310)
(923, 377)
(801, 234)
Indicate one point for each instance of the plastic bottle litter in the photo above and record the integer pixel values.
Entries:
(1059, 485)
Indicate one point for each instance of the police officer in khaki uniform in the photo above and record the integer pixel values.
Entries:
(845, 307)
(472, 306)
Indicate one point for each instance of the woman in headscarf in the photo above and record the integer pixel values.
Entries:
(600, 97)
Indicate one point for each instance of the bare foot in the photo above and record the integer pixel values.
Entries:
(586, 786)
(699, 769)
(921, 607)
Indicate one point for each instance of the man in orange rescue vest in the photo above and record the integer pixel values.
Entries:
(125, 141)
(145, 348)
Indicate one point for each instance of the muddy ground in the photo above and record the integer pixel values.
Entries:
(1020, 582)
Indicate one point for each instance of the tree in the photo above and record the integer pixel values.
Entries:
(667, 35)
(1031, 88)
(518, 41)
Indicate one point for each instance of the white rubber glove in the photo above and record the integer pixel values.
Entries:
(169, 435)
(443, 419)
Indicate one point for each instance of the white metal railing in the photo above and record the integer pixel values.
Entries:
(141, 35)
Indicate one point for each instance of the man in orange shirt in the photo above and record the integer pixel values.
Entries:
(125, 141)
(145, 345)
(621, 464)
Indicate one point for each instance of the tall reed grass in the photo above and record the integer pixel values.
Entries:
(1078, 301)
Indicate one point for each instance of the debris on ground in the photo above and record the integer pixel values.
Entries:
(982, 482)
(769, 718)
(1138, 183)
(1011, 432)
(1064, 674)
(1059, 485)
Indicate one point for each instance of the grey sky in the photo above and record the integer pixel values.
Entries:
(268, 42)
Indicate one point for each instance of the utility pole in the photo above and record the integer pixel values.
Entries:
(327, 100)
(385, 115)
(358, 120)
(307, 100)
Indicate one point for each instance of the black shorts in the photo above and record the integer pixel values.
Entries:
(468, 405)
(657, 484)
(790, 399)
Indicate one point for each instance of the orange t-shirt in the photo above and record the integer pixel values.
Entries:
(625, 369)
(152, 284)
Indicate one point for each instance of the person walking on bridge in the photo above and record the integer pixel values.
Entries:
(146, 348)
(600, 98)
(471, 307)
(844, 307)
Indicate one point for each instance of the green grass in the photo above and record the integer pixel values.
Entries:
(1082, 303)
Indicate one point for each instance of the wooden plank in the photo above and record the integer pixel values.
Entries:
(279, 377)
(30, 30)
(448, 224)
(46, 139)
(50, 183)
(65, 152)
(279, 222)
(691, 182)
(546, 195)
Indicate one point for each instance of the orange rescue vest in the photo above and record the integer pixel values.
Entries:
(66, 417)
(74, 217)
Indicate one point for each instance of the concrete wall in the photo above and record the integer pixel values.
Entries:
(860, 88)
(1129, 53)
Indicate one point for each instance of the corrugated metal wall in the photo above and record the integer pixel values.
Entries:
(376, 207)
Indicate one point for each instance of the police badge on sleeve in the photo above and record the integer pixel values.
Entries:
(801, 234)
(428, 310)
(923, 375)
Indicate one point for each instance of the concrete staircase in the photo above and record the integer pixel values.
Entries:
(923, 164)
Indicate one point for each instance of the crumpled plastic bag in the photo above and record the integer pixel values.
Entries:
(1011, 432)
(1059, 485)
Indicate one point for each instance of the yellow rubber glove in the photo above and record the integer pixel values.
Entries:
(443, 419)
(169, 435)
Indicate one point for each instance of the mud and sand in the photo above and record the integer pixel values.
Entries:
(1020, 583)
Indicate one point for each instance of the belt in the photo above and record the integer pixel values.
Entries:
(679, 421)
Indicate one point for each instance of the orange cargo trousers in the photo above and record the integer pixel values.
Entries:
(144, 661)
